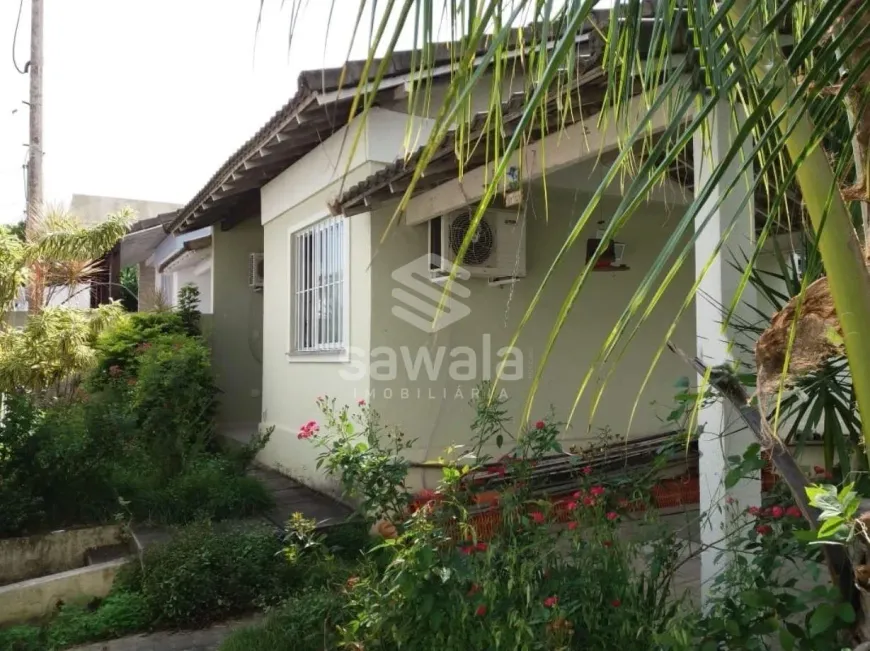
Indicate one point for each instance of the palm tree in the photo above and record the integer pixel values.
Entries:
(55, 344)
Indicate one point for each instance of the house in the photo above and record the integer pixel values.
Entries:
(349, 308)
(166, 262)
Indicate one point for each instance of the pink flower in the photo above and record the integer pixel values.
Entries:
(587, 470)
(481, 610)
(570, 506)
(616, 603)
(777, 512)
(754, 510)
(481, 546)
(361, 402)
(308, 430)
(763, 529)
(550, 602)
(730, 500)
(572, 526)
(588, 501)
(597, 491)
(540, 425)
(537, 517)
(577, 495)
(793, 512)
(612, 515)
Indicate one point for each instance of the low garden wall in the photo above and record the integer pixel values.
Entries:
(35, 556)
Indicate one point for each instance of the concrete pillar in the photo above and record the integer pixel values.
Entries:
(724, 433)
(147, 288)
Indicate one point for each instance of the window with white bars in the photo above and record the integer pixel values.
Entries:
(318, 260)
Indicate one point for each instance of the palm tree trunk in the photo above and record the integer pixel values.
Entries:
(837, 241)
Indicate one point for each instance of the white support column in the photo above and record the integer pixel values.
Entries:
(724, 433)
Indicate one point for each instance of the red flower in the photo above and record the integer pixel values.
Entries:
(572, 526)
(361, 402)
(427, 495)
(612, 516)
(616, 603)
(588, 501)
(473, 590)
(308, 430)
(819, 470)
(540, 425)
(597, 491)
(549, 602)
(481, 546)
(577, 495)
(467, 550)
(537, 517)
(570, 506)
(607, 543)
(587, 470)
(793, 512)
(481, 610)
(777, 512)
(754, 510)
(763, 529)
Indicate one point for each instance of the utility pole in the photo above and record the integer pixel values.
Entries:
(35, 287)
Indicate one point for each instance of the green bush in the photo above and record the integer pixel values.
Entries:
(119, 347)
(174, 400)
(122, 613)
(307, 621)
(204, 574)
(210, 487)
(54, 464)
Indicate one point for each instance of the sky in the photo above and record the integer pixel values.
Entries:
(145, 99)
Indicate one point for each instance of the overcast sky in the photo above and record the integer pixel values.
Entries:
(145, 99)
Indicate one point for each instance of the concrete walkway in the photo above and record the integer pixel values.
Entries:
(205, 640)
(291, 496)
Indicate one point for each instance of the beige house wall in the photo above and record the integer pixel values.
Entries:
(437, 414)
(236, 328)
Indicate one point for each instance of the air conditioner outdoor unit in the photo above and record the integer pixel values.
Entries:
(497, 249)
(255, 270)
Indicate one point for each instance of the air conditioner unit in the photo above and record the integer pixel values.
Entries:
(497, 249)
(255, 270)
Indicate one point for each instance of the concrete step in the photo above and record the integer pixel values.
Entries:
(107, 553)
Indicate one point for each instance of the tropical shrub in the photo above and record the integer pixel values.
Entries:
(119, 348)
(308, 621)
(204, 574)
(208, 487)
(119, 614)
(56, 464)
(173, 397)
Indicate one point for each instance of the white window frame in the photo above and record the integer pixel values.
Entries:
(339, 354)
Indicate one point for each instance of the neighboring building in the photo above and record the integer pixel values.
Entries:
(167, 262)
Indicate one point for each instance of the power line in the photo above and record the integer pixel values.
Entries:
(15, 41)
